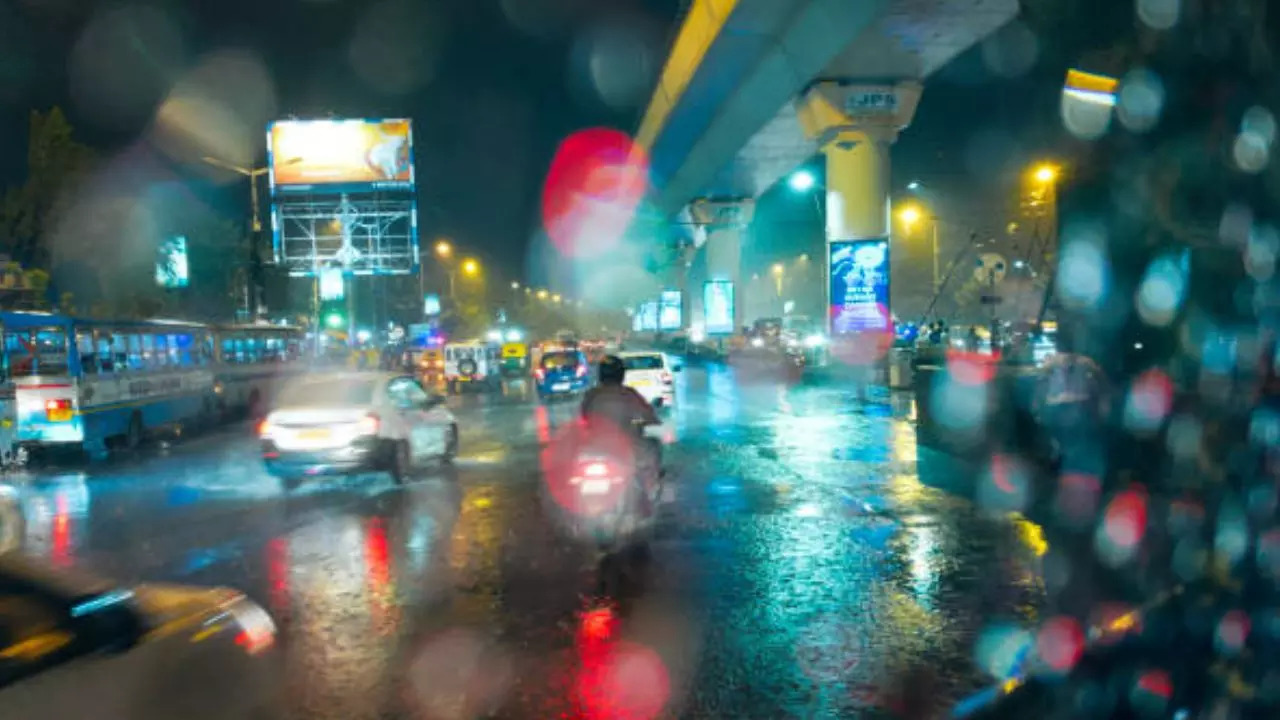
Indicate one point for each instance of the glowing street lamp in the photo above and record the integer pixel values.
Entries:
(910, 215)
(515, 285)
(444, 249)
(555, 298)
(542, 294)
(801, 181)
(470, 267)
(1045, 173)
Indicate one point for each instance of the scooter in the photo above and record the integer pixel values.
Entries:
(608, 501)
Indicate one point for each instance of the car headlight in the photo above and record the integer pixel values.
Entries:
(757, 342)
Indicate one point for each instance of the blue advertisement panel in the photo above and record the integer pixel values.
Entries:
(671, 310)
(859, 272)
(649, 316)
(717, 307)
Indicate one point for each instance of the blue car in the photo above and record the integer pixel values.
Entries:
(562, 372)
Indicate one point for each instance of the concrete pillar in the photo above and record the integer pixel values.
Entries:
(855, 125)
(722, 227)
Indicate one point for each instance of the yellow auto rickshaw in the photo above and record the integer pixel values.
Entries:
(431, 366)
(515, 359)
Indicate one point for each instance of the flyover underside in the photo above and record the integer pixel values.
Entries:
(723, 121)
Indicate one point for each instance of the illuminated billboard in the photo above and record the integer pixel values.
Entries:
(649, 316)
(859, 272)
(670, 310)
(717, 307)
(332, 284)
(172, 268)
(316, 156)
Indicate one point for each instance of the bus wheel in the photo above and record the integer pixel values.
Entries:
(133, 435)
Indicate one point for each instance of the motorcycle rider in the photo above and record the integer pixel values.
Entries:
(617, 410)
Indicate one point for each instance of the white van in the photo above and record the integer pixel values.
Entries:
(475, 364)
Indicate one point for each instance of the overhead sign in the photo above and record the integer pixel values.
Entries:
(670, 310)
(717, 307)
(871, 102)
(172, 267)
(431, 304)
(340, 155)
(859, 271)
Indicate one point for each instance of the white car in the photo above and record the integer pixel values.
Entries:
(651, 375)
(356, 422)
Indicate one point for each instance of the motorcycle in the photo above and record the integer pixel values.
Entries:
(605, 491)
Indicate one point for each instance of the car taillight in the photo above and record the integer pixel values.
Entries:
(581, 371)
(57, 408)
(540, 374)
(369, 425)
(266, 428)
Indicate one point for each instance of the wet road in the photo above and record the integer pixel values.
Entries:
(802, 569)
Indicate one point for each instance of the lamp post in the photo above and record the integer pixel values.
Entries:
(255, 222)
(910, 215)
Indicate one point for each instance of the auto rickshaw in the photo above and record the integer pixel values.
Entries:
(431, 366)
(515, 359)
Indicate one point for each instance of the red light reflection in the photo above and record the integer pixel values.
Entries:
(377, 559)
(617, 680)
(60, 552)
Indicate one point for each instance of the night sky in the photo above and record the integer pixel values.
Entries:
(492, 86)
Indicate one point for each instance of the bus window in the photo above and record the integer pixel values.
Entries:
(120, 351)
(229, 350)
(88, 352)
(180, 347)
(51, 351)
(106, 359)
(206, 349)
(148, 350)
(137, 354)
(161, 356)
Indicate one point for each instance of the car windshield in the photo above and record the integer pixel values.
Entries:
(642, 362)
(558, 360)
(960, 319)
(332, 392)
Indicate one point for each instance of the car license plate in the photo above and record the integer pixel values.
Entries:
(314, 434)
(61, 415)
(560, 386)
(594, 487)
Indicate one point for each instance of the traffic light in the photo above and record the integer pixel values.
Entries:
(334, 319)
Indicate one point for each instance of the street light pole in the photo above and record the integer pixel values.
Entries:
(255, 226)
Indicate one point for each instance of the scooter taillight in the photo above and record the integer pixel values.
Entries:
(595, 476)
(540, 374)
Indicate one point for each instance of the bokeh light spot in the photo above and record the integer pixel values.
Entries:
(593, 187)
(1060, 643)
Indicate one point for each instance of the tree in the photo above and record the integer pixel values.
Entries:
(56, 164)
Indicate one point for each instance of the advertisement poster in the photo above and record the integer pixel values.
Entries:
(172, 269)
(649, 316)
(859, 286)
(717, 307)
(319, 155)
(671, 310)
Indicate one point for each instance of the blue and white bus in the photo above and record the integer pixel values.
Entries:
(91, 382)
(252, 361)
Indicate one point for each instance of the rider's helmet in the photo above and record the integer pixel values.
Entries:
(612, 370)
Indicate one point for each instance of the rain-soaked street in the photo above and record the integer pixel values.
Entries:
(809, 563)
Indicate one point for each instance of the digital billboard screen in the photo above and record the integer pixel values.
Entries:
(649, 316)
(172, 267)
(671, 310)
(337, 155)
(717, 307)
(859, 274)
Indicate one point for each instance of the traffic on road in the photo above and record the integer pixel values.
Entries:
(797, 559)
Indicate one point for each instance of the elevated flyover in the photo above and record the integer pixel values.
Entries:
(753, 88)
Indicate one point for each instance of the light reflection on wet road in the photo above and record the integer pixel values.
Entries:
(802, 567)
